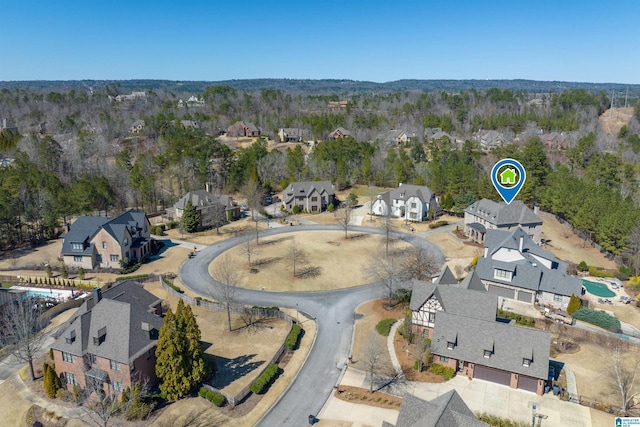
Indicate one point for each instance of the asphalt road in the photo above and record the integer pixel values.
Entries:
(334, 312)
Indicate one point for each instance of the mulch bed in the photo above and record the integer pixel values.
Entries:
(362, 396)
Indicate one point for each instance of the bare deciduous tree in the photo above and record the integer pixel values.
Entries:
(297, 256)
(344, 215)
(387, 269)
(372, 196)
(249, 249)
(623, 374)
(21, 329)
(225, 271)
(372, 357)
(422, 351)
(419, 263)
(253, 192)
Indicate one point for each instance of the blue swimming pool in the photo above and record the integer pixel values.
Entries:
(598, 289)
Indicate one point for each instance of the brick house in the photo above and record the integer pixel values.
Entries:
(466, 336)
(340, 133)
(111, 340)
(309, 196)
(486, 214)
(96, 241)
(243, 129)
(213, 209)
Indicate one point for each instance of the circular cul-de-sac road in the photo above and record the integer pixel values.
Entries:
(333, 311)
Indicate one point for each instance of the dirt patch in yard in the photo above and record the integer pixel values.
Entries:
(563, 243)
(14, 408)
(333, 261)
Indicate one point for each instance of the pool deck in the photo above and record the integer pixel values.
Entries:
(58, 294)
(594, 298)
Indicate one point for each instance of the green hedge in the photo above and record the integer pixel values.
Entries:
(135, 276)
(212, 396)
(595, 272)
(496, 421)
(172, 286)
(260, 385)
(519, 318)
(598, 318)
(292, 339)
(384, 326)
(444, 371)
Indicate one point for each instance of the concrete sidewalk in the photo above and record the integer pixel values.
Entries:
(480, 396)
(49, 405)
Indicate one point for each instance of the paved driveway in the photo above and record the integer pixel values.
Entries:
(333, 311)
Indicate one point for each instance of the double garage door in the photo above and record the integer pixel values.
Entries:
(502, 377)
(493, 375)
(511, 293)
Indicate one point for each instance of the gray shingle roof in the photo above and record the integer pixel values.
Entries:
(447, 410)
(120, 315)
(405, 191)
(529, 272)
(201, 198)
(473, 282)
(306, 188)
(510, 343)
(455, 300)
(341, 130)
(501, 214)
(446, 277)
(81, 231)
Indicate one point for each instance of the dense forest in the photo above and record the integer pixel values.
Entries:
(73, 150)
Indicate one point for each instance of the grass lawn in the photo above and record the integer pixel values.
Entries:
(338, 263)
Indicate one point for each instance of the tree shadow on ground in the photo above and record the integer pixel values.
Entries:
(310, 272)
(265, 242)
(263, 262)
(229, 370)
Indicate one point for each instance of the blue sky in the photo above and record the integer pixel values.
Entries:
(564, 40)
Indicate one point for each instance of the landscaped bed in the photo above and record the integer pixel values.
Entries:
(362, 396)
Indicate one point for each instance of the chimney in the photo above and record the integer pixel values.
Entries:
(536, 209)
(521, 243)
(97, 295)
(207, 187)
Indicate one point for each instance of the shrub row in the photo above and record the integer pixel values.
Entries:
(596, 272)
(265, 379)
(438, 224)
(292, 339)
(172, 286)
(274, 308)
(496, 421)
(212, 396)
(172, 224)
(519, 318)
(135, 276)
(384, 326)
(444, 371)
(598, 318)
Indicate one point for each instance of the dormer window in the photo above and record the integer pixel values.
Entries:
(102, 336)
(77, 246)
(71, 338)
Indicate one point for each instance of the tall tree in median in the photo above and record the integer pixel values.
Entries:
(190, 218)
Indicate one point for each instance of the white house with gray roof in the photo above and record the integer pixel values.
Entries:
(410, 202)
(486, 215)
(514, 267)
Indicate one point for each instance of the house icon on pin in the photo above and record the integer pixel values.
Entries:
(508, 176)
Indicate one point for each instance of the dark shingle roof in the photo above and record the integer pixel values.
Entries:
(200, 198)
(119, 315)
(305, 188)
(447, 410)
(455, 300)
(473, 282)
(510, 344)
(81, 231)
(446, 277)
(501, 214)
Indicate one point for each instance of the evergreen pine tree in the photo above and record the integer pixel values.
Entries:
(171, 356)
(47, 380)
(195, 353)
(63, 272)
(190, 218)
